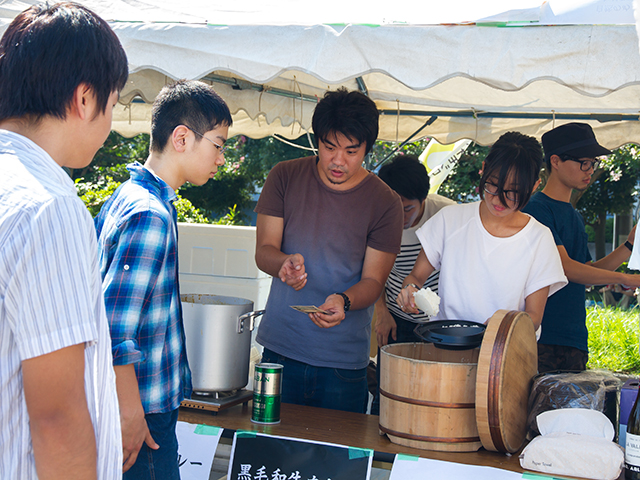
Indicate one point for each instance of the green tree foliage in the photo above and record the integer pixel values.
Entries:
(247, 163)
(462, 183)
(233, 217)
(384, 152)
(188, 213)
(94, 194)
(112, 158)
(608, 231)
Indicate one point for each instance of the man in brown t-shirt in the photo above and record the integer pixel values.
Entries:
(329, 230)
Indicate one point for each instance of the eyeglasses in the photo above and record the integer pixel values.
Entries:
(585, 165)
(492, 189)
(221, 149)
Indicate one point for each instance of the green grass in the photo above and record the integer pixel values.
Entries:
(613, 339)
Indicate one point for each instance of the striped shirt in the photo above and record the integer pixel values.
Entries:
(138, 248)
(406, 259)
(50, 298)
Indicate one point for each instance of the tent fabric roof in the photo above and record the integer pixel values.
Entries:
(479, 81)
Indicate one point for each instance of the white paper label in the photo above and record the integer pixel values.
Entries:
(632, 452)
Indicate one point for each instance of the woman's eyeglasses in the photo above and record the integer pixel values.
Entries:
(492, 189)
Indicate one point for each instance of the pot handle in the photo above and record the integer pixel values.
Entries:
(250, 316)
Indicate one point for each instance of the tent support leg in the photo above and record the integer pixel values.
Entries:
(384, 160)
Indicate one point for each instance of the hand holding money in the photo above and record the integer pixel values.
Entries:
(309, 309)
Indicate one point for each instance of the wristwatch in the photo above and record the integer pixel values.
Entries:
(347, 302)
(629, 245)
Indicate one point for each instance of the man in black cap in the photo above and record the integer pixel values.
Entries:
(570, 156)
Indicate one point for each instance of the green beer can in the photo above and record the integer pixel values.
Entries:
(267, 390)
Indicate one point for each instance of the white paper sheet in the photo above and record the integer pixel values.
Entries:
(197, 446)
(415, 468)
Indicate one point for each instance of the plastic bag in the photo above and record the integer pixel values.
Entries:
(594, 389)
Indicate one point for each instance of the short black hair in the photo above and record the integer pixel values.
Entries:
(352, 114)
(48, 51)
(186, 102)
(517, 154)
(407, 176)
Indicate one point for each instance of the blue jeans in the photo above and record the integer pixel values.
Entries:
(323, 387)
(161, 464)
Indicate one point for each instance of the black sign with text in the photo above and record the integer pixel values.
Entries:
(263, 457)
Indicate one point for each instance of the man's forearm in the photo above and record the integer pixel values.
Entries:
(381, 302)
(269, 259)
(132, 416)
(585, 274)
(614, 259)
(65, 446)
(127, 386)
(364, 293)
(63, 438)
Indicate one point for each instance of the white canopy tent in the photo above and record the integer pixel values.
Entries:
(525, 70)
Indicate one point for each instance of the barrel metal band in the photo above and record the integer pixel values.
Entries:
(493, 387)
(423, 438)
(425, 403)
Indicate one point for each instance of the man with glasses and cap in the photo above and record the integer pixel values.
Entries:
(570, 156)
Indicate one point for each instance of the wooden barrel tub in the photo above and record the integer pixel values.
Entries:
(427, 397)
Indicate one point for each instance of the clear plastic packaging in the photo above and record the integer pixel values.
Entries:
(594, 389)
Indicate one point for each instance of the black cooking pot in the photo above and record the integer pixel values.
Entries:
(452, 334)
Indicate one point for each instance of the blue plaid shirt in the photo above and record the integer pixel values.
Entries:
(138, 257)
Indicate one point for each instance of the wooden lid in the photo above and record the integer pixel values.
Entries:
(508, 361)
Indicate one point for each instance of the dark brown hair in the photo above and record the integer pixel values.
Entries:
(516, 154)
(48, 51)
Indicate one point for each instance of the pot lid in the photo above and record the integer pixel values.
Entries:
(451, 334)
(507, 363)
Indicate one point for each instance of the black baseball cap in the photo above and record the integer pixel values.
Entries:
(575, 139)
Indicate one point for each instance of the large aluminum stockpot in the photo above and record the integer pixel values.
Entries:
(218, 335)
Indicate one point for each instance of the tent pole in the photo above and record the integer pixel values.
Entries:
(362, 86)
(600, 117)
(382, 162)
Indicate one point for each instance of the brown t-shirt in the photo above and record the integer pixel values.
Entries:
(331, 230)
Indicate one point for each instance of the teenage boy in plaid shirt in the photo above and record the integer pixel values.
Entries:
(137, 239)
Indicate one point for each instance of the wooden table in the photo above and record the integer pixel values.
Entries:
(344, 428)
(334, 426)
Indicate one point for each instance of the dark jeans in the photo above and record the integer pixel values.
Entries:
(558, 357)
(404, 334)
(323, 387)
(161, 464)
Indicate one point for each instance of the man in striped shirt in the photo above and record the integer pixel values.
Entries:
(408, 177)
(61, 68)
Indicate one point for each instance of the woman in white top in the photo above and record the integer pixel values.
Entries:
(491, 256)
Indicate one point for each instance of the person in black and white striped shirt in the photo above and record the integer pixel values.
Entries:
(408, 177)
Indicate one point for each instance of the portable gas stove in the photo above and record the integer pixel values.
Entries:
(216, 401)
